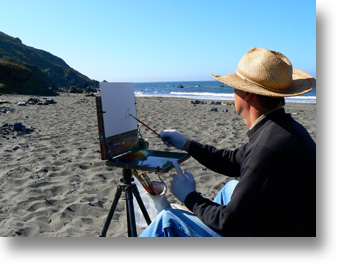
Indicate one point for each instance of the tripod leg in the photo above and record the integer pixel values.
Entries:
(141, 204)
(132, 231)
(128, 220)
(111, 212)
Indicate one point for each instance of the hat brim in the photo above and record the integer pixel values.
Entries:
(303, 82)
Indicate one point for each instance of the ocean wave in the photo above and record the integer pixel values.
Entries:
(204, 94)
(301, 99)
(230, 96)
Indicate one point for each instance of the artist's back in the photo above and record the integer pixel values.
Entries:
(276, 192)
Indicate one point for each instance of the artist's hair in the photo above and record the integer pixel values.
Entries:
(270, 102)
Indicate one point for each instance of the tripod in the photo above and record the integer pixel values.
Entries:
(128, 187)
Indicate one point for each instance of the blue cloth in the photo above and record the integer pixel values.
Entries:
(179, 223)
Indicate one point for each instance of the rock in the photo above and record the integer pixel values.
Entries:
(214, 109)
(180, 86)
(36, 101)
(216, 103)
(28, 129)
(21, 103)
(198, 102)
(50, 101)
(6, 110)
(15, 148)
(75, 90)
(70, 209)
(14, 130)
(32, 101)
(18, 126)
(49, 202)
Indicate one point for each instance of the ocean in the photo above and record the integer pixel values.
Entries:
(212, 90)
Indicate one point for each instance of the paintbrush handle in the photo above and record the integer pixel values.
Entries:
(152, 130)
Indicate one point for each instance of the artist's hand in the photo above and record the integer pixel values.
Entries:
(174, 137)
(182, 185)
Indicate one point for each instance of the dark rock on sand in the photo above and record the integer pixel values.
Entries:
(14, 130)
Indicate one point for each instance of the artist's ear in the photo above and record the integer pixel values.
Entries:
(248, 97)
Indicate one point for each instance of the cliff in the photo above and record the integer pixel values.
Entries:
(27, 70)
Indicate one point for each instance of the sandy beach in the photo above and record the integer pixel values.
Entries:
(53, 182)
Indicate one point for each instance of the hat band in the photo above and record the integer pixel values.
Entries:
(268, 88)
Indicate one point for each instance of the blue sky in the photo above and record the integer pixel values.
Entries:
(155, 40)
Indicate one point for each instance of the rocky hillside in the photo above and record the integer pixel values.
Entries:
(27, 70)
(22, 78)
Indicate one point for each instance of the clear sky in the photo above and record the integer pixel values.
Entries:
(155, 40)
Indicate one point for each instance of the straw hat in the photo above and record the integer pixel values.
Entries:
(268, 73)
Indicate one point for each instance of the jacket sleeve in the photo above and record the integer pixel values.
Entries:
(222, 161)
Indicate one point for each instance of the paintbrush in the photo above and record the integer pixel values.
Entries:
(145, 181)
(153, 131)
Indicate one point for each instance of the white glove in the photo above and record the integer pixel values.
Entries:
(182, 185)
(174, 137)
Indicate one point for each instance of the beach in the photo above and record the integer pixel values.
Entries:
(53, 182)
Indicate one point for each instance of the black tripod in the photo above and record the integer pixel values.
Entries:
(128, 187)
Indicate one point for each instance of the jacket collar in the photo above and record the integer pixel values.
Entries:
(264, 118)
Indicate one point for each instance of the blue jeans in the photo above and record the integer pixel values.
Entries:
(179, 223)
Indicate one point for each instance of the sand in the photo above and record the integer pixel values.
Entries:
(53, 182)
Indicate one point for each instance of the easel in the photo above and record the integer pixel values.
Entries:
(119, 148)
(127, 185)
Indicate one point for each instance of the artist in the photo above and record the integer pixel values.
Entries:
(276, 193)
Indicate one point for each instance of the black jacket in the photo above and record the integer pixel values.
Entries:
(276, 194)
